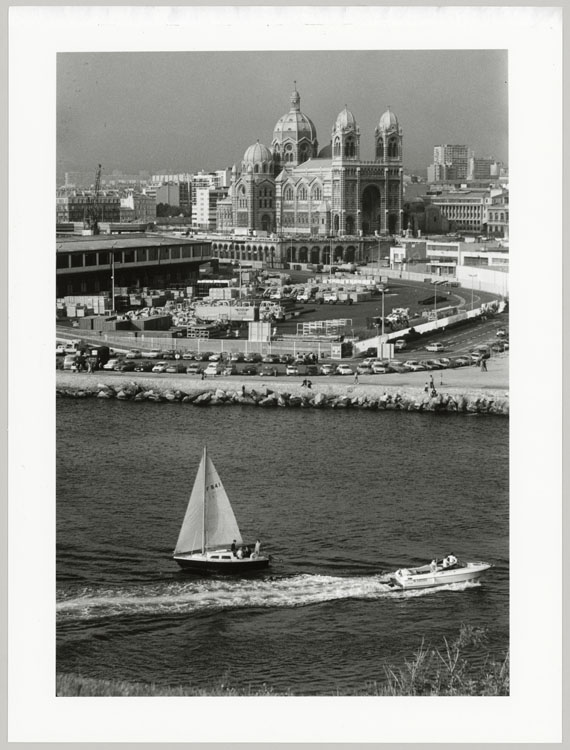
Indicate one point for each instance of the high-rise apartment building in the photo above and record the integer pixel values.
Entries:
(450, 163)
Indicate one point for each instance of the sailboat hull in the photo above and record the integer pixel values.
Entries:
(220, 562)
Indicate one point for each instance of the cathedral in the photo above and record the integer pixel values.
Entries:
(292, 188)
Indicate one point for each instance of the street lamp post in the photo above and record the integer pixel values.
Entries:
(472, 276)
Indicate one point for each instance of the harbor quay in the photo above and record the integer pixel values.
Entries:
(461, 390)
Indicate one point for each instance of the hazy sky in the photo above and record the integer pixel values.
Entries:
(186, 111)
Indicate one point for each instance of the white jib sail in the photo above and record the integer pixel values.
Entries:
(209, 512)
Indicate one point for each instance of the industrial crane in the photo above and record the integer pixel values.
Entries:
(91, 221)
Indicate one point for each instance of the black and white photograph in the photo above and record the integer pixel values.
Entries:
(288, 449)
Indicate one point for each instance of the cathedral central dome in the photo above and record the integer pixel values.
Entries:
(295, 127)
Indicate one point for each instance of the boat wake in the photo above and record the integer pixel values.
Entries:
(216, 595)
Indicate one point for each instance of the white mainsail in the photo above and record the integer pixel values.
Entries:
(209, 522)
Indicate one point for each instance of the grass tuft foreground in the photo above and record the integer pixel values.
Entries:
(460, 667)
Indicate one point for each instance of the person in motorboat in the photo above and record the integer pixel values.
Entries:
(449, 562)
(433, 566)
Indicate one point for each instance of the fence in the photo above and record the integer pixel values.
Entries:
(146, 342)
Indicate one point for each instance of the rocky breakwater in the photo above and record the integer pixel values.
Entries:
(329, 396)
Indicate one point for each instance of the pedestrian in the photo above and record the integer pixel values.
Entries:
(431, 383)
(304, 384)
(426, 388)
(356, 378)
(484, 365)
(243, 390)
(202, 375)
(309, 384)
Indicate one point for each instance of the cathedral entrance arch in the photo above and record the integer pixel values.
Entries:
(314, 255)
(303, 255)
(266, 223)
(349, 225)
(371, 210)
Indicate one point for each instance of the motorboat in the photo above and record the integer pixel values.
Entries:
(437, 573)
(210, 539)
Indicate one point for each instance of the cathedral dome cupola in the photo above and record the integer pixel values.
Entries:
(294, 135)
(388, 121)
(345, 136)
(259, 158)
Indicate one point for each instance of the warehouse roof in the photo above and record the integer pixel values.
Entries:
(120, 242)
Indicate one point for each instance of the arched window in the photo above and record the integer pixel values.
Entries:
(302, 193)
(317, 194)
(392, 148)
(349, 147)
(336, 147)
(288, 193)
(379, 149)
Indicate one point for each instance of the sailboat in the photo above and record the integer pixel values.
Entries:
(210, 539)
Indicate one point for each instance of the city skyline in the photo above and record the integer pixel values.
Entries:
(180, 111)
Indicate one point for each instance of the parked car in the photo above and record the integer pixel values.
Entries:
(125, 366)
(326, 369)
(229, 370)
(499, 346)
(462, 361)
(194, 369)
(69, 362)
(203, 356)
(380, 368)
(215, 357)
(501, 333)
(436, 346)
(414, 365)
(252, 357)
(311, 370)
(344, 370)
(214, 368)
(176, 367)
(271, 359)
(446, 363)
(268, 371)
(188, 355)
(291, 370)
(160, 366)
(364, 369)
(153, 354)
(59, 349)
(111, 364)
(400, 345)
(395, 366)
(236, 357)
(431, 364)
(144, 367)
(286, 359)
(133, 354)
(249, 370)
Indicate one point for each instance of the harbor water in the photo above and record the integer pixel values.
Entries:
(337, 497)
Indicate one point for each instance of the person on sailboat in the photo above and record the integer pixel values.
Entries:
(257, 549)
(233, 548)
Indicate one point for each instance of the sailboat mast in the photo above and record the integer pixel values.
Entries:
(204, 505)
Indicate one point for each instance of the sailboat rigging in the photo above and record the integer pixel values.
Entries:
(210, 539)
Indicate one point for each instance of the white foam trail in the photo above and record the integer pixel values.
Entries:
(213, 594)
